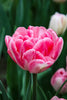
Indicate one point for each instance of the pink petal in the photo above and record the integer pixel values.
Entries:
(58, 73)
(15, 54)
(19, 45)
(57, 48)
(20, 31)
(36, 65)
(40, 65)
(27, 45)
(55, 98)
(52, 34)
(44, 46)
(29, 33)
(35, 31)
(31, 54)
(7, 40)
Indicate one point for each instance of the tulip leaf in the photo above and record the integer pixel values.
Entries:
(2, 89)
(2, 40)
(13, 80)
(19, 13)
(4, 21)
(27, 19)
(41, 75)
(41, 95)
(64, 96)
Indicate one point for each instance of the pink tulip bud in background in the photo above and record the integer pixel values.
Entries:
(56, 98)
(34, 49)
(58, 79)
(59, 1)
(58, 23)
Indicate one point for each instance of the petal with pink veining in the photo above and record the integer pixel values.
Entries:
(44, 46)
(20, 31)
(15, 54)
(35, 65)
(57, 48)
(7, 40)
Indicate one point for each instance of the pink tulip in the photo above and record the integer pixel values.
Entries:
(34, 49)
(56, 98)
(58, 79)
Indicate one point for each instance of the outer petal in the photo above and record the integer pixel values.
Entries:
(40, 65)
(52, 34)
(35, 65)
(56, 98)
(7, 40)
(12, 51)
(20, 31)
(57, 48)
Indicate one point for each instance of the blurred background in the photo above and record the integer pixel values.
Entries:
(15, 13)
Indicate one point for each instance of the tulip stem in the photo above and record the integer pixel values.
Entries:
(34, 86)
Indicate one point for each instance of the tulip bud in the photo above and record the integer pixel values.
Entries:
(58, 79)
(58, 23)
(59, 1)
(56, 98)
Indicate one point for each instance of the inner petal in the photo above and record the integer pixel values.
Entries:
(44, 46)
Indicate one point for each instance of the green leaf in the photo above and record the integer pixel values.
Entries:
(19, 13)
(64, 96)
(4, 21)
(2, 35)
(2, 89)
(41, 75)
(41, 95)
(27, 19)
(13, 12)
(13, 80)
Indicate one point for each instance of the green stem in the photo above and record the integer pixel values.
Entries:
(60, 88)
(27, 96)
(34, 86)
(25, 82)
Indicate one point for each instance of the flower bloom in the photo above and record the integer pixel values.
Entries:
(59, 1)
(58, 79)
(34, 49)
(56, 98)
(58, 23)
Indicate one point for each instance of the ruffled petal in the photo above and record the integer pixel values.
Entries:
(44, 46)
(57, 48)
(20, 31)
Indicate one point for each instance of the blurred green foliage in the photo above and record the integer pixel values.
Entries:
(15, 13)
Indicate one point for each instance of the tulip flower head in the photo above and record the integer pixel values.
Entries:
(58, 79)
(34, 49)
(58, 23)
(56, 98)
